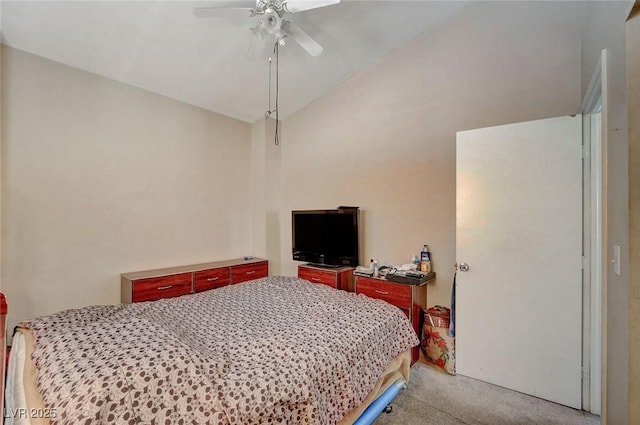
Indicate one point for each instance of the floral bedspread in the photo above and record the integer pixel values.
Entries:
(273, 350)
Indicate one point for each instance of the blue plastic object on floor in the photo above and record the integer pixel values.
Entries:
(379, 404)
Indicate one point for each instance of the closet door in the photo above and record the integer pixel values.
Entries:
(519, 230)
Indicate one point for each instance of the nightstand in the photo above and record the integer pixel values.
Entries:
(411, 299)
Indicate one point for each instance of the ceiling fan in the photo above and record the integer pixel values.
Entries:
(272, 27)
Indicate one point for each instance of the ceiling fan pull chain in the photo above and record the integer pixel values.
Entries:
(277, 51)
(269, 111)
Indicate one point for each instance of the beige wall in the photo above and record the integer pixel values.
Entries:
(385, 139)
(266, 188)
(100, 178)
(258, 189)
(633, 87)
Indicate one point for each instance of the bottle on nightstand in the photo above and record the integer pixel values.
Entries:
(415, 260)
(425, 259)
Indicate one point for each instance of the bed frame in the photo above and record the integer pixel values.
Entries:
(382, 403)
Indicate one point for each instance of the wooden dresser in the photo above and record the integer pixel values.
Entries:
(338, 278)
(411, 299)
(170, 282)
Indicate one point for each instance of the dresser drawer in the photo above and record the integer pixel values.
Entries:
(155, 288)
(249, 272)
(397, 294)
(210, 279)
(318, 276)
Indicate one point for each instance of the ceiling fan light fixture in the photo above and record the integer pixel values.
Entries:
(272, 21)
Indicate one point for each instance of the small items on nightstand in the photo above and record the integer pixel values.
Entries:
(409, 277)
(363, 271)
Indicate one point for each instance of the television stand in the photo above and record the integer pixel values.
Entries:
(340, 277)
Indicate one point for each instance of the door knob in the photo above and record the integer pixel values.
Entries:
(464, 267)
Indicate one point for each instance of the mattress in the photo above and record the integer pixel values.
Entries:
(272, 350)
(24, 396)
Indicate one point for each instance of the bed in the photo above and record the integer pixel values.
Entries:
(272, 350)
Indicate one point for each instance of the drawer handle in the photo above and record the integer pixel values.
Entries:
(382, 292)
(251, 272)
(315, 279)
(211, 279)
(160, 288)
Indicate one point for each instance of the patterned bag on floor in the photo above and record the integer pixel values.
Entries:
(437, 345)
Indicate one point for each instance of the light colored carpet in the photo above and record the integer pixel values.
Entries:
(433, 397)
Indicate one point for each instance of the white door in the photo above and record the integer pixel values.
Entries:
(519, 230)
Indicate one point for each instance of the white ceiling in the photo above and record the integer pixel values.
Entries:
(162, 47)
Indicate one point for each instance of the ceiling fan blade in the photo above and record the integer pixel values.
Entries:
(293, 6)
(302, 38)
(225, 9)
(261, 47)
(211, 12)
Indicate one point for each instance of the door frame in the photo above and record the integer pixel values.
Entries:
(594, 355)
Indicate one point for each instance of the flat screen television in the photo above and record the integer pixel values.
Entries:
(326, 237)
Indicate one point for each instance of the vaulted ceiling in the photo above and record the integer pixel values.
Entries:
(162, 47)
